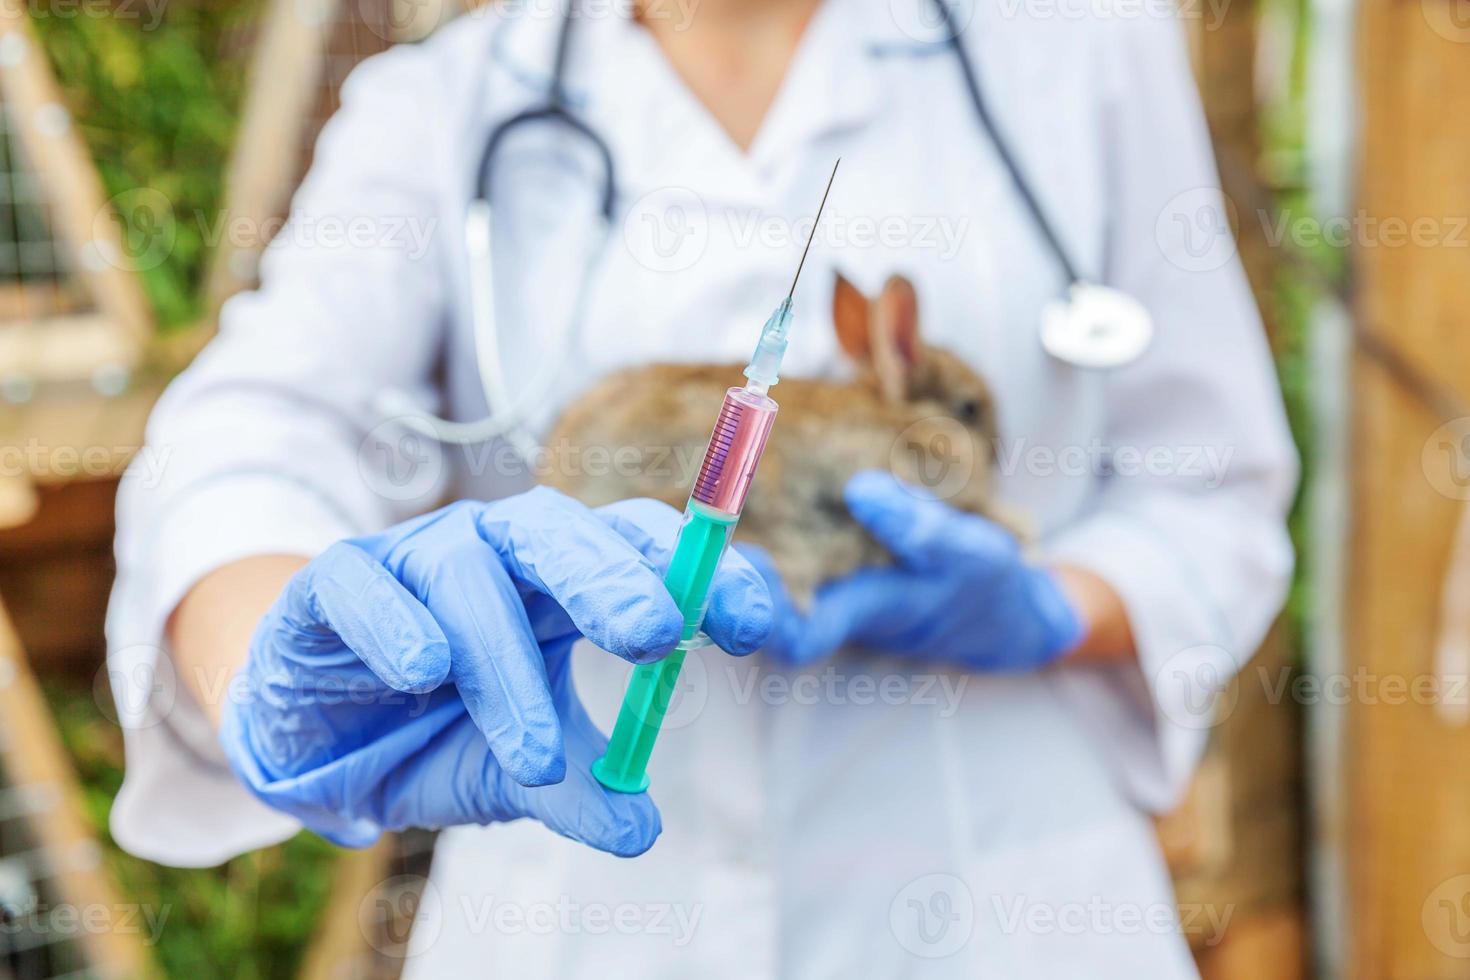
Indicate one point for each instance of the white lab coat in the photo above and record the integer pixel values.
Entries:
(866, 817)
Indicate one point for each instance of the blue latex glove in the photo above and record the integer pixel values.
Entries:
(421, 677)
(960, 591)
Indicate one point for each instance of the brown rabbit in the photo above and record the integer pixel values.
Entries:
(915, 410)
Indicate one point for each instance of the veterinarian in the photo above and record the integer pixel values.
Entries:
(948, 768)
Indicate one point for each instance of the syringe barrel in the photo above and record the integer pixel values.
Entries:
(703, 538)
(714, 507)
(735, 448)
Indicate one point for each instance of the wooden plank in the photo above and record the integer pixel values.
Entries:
(64, 348)
(21, 301)
(18, 500)
(61, 455)
(1236, 842)
(35, 759)
(51, 145)
(56, 572)
(1408, 837)
(60, 460)
(70, 517)
(265, 165)
(1241, 846)
(342, 945)
(73, 433)
(1225, 64)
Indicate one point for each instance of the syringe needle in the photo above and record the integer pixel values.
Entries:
(766, 361)
(813, 234)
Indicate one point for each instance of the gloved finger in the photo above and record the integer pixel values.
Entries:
(921, 530)
(581, 808)
(346, 591)
(497, 664)
(786, 620)
(739, 617)
(554, 545)
(871, 607)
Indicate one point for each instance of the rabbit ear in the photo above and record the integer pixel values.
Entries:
(895, 337)
(850, 318)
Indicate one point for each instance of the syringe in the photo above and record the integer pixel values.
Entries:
(710, 517)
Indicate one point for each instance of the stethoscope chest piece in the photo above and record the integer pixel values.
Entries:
(1096, 327)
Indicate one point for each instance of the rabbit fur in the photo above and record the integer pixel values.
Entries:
(914, 409)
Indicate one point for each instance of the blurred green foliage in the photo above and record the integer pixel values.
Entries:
(249, 919)
(156, 87)
(1306, 276)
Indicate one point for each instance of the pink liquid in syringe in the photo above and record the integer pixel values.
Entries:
(735, 448)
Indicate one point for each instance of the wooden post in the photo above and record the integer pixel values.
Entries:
(18, 500)
(1408, 826)
(266, 164)
(1235, 844)
(342, 946)
(375, 900)
(36, 765)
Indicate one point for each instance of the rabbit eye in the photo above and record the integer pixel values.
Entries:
(969, 411)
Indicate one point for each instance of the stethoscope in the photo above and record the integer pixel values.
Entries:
(1091, 326)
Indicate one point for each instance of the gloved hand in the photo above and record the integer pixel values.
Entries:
(960, 591)
(421, 677)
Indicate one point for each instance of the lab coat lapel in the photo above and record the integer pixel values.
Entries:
(826, 90)
(662, 137)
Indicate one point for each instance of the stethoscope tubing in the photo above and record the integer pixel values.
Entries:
(1002, 147)
(507, 420)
